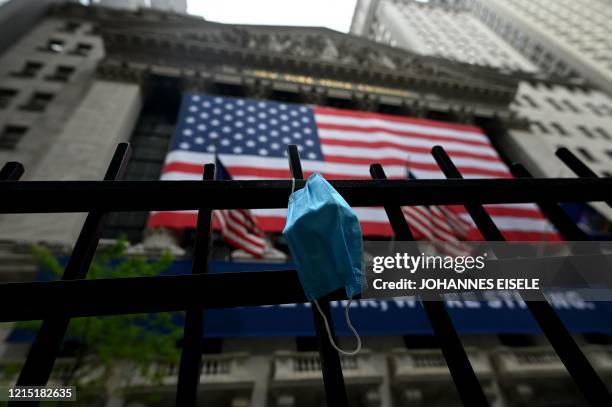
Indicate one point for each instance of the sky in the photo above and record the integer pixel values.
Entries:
(334, 14)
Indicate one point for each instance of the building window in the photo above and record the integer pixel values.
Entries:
(538, 127)
(70, 27)
(53, 45)
(607, 109)
(38, 102)
(10, 136)
(586, 154)
(554, 104)
(529, 101)
(603, 133)
(548, 61)
(560, 129)
(593, 108)
(561, 68)
(585, 131)
(94, 30)
(537, 51)
(570, 106)
(62, 74)
(29, 70)
(81, 49)
(6, 97)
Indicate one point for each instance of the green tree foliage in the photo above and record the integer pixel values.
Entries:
(106, 342)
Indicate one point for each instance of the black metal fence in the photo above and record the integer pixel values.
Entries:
(73, 296)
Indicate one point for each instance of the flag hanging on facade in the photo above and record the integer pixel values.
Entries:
(238, 226)
(251, 138)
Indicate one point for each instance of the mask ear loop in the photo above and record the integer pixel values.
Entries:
(292, 186)
(348, 322)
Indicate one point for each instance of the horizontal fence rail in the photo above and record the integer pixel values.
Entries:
(84, 196)
(38, 299)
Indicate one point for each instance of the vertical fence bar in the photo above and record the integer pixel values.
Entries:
(11, 171)
(191, 356)
(467, 384)
(590, 384)
(577, 165)
(333, 379)
(44, 349)
(564, 224)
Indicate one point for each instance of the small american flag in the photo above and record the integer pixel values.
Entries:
(238, 226)
(438, 224)
(251, 137)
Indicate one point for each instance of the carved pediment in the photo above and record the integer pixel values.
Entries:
(312, 43)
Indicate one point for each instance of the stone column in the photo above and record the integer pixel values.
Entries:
(262, 365)
(105, 117)
(156, 241)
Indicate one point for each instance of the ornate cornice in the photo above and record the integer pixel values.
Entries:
(305, 51)
(192, 48)
(190, 43)
(122, 72)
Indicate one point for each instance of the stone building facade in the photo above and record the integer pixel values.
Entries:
(98, 76)
(445, 31)
(565, 38)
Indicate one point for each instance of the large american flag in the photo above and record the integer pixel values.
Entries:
(251, 138)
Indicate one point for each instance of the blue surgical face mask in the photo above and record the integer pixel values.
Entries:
(324, 236)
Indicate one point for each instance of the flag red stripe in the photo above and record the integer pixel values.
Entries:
(236, 231)
(238, 244)
(426, 215)
(417, 216)
(407, 134)
(465, 170)
(396, 119)
(240, 231)
(246, 237)
(510, 211)
(408, 149)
